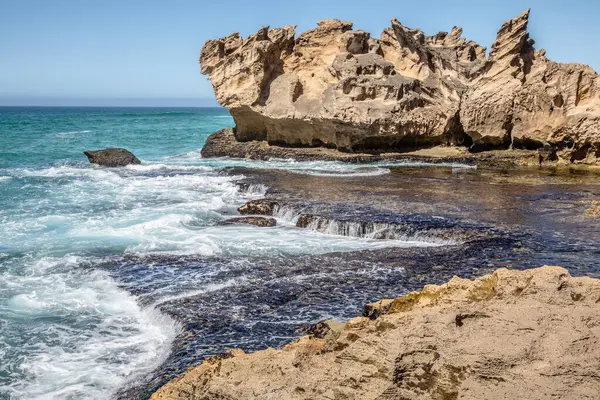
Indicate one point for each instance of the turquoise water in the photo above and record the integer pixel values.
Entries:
(32, 137)
(68, 329)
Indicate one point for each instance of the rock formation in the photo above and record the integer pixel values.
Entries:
(526, 100)
(529, 334)
(256, 221)
(111, 157)
(336, 87)
(258, 207)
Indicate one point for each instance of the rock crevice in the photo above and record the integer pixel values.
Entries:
(341, 88)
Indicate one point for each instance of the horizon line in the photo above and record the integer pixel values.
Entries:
(67, 101)
(104, 106)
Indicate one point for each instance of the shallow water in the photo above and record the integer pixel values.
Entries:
(114, 280)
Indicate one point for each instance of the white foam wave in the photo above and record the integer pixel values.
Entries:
(92, 338)
(5, 178)
(346, 174)
(255, 190)
(327, 168)
(213, 287)
(169, 167)
(100, 208)
(69, 171)
(72, 133)
(286, 239)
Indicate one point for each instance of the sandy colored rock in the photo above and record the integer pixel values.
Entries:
(341, 88)
(526, 100)
(594, 210)
(530, 334)
(258, 207)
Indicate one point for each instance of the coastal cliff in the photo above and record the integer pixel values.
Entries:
(512, 334)
(343, 89)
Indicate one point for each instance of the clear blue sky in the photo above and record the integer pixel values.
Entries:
(146, 52)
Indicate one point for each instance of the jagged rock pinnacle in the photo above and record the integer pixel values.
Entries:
(342, 88)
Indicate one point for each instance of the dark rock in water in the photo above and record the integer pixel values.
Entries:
(258, 207)
(305, 220)
(112, 157)
(257, 221)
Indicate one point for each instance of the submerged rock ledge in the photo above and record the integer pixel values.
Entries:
(511, 334)
(224, 144)
(339, 88)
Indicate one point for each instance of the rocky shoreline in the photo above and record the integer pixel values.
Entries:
(224, 144)
(511, 334)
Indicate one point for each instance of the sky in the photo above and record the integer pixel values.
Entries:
(132, 52)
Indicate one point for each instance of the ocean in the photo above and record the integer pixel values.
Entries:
(115, 280)
(70, 329)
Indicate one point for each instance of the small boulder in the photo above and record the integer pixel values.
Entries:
(256, 221)
(258, 207)
(111, 157)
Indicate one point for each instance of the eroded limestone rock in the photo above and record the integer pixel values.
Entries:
(526, 100)
(530, 334)
(341, 88)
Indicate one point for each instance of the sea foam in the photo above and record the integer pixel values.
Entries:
(95, 338)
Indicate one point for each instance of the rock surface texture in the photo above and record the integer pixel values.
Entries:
(111, 157)
(337, 87)
(530, 334)
(256, 221)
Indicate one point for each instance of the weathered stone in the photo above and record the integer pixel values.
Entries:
(258, 207)
(526, 100)
(340, 88)
(594, 211)
(111, 157)
(547, 153)
(374, 310)
(529, 334)
(328, 329)
(256, 221)
(224, 144)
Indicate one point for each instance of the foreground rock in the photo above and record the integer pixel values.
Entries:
(341, 88)
(112, 157)
(514, 334)
(256, 221)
